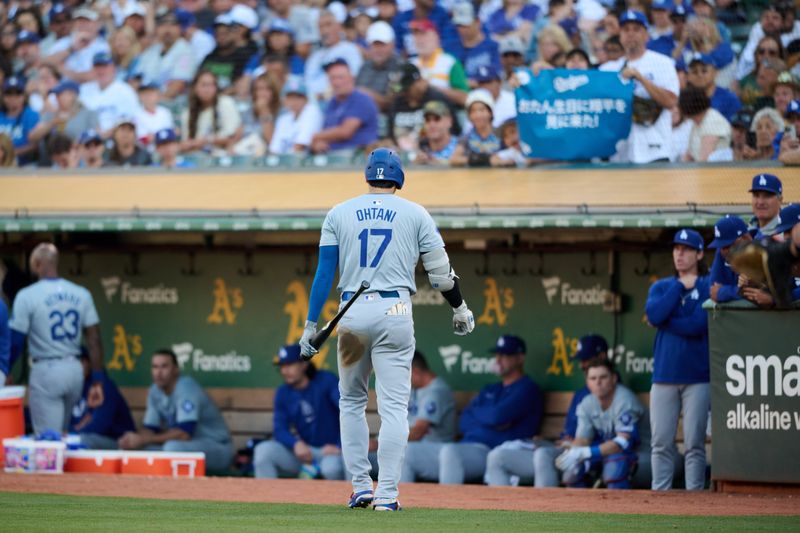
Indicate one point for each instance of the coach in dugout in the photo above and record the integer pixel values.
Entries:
(180, 417)
(729, 231)
(307, 440)
(100, 422)
(680, 363)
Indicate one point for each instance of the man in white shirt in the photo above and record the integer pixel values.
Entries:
(169, 62)
(202, 43)
(771, 22)
(73, 54)
(333, 47)
(656, 92)
(109, 97)
(298, 123)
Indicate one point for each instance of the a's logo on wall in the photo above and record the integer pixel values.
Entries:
(297, 308)
(199, 361)
(127, 349)
(551, 287)
(227, 303)
(563, 349)
(131, 295)
(110, 286)
(498, 302)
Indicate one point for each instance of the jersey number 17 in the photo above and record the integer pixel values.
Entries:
(364, 236)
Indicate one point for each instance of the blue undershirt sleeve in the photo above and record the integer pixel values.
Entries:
(323, 279)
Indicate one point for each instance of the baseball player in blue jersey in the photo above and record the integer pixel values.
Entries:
(100, 425)
(379, 237)
(55, 316)
(512, 459)
(680, 363)
(506, 411)
(432, 422)
(729, 231)
(608, 432)
(5, 344)
(306, 427)
(180, 417)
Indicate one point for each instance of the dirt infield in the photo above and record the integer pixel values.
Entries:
(412, 495)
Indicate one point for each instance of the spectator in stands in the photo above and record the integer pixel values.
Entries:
(8, 42)
(790, 145)
(511, 154)
(554, 45)
(202, 43)
(70, 117)
(608, 28)
(505, 411)
(702, 37)
(558, 11)
(125, 50)
(168, 147)
(479, 50)
(258, 122)
(766, 81)
(514, 19)
(442, 70)
(28, 55)
(233, 51)
(306, 427)
(333, 46)
(661, 39)
(40, 97)
(740, 128)
(768, 54)
(151, 117)
(786, 89)
(59, 26)
(730, 12)
(511, 57)
(351, 117)
(17, 119)
(180, 417)
(432, 11)
(169, 62)
(100, 425)
(655, 93)
(437, 142)
(109, 97)
(770, 24)
(303, 20)
(431, 422)
(75, 53)
(211, 122)
(278, 41)
(90, 149)
(766, 125)
(611, 427)
(62, 152)
(382, 63)
(793, 57)
(577, 59)
(612, 49)
(766, 198)
(300, 120)
(681, 364)
(505, 103)
(8, 158)
(729, 231)
(703, 74)
(710, 132)
(125, 151)
(477, 145)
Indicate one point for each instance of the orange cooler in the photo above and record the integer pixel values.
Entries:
(93, 462)
(170, 464)
(12, 416)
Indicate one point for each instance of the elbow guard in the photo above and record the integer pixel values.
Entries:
(440, 274)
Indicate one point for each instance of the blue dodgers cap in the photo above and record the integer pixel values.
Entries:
(167, 135)
(664, 5)
(727, 230)
(679, 11)
(295, 85)
(590, 346)
(66, 85)
(334, 62)
(288, 354)
(59, 9)
(185, 18)
(705, 59)
(633, 16)
(792, 109)
(509, 345)
(767, 183)
(689, 237)
(14, 83)
(486, 73)
(281, 25)
(789, 217)
(102, 58)
(149, 86)
(89, 136)
(27, 37)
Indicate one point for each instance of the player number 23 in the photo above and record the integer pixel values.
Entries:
(364, 236)
(64, 325)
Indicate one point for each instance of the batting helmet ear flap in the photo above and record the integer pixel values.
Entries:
(384, 164)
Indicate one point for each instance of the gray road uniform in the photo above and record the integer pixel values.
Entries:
(434, 403)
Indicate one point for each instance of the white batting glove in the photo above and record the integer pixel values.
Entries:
(463, 321)
(570, 458)
(306, 350)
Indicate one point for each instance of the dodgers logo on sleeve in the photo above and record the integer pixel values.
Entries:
(625, 421)
(188, 406)
(430, 408)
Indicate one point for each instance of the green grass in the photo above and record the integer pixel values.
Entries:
(46, 512)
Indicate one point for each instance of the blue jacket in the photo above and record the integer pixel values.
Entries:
(726, 102)
(723, 274)
(111, 419)
(312, 412)
(5, 340)
(571, 423)
(502, 413)
(680, 352)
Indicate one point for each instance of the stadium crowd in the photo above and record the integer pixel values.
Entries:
(129, 83)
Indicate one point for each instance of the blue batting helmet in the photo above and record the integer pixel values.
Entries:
(384, 164)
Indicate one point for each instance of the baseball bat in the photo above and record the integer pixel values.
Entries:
(322, 335)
